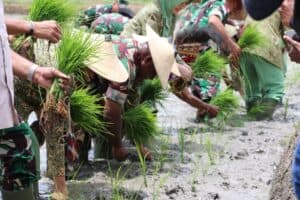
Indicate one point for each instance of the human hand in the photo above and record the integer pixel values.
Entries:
(48, 30)
(286, 12)
(235, 52)
(212, 110)
(44, 77)
(294, 49)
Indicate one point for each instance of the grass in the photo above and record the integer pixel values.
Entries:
(140, 124)
(86, 111)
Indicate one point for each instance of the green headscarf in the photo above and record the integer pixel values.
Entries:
(166, 7)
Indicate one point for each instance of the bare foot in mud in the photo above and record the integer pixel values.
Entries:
(120, 153)
(61, 191)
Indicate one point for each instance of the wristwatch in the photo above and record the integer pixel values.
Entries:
(31, 29)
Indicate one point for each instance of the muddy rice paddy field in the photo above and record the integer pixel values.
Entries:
(236, 161)
(232, 161)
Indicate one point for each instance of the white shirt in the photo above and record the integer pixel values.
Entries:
(8, 115)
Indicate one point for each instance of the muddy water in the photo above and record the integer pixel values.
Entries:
(235, 163)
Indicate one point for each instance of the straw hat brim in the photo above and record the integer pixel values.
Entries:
(162, 53)
(106, 62)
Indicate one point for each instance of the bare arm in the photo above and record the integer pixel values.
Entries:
(218, 26)
(113, 116)
(48, 30)
(195, 102)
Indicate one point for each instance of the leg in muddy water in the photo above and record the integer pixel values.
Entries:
(54, 123)
(84, 149)
(102, 148)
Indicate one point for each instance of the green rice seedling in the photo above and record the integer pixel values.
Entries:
(85, 110)
(156, 187)
(181, 142)
(151, 91)
(256, 110)
(226, 101)
(59, 10)
(140, 124)
(286, 109)
(75, 49)
(143, 164)
(210, 150)
(163, 151)
(251, 38)
(207, 64)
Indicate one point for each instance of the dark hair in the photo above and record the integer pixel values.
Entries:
(236, 4)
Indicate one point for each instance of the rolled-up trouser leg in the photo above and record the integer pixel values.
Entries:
(19, 166)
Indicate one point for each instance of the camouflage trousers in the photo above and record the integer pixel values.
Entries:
(17, 158)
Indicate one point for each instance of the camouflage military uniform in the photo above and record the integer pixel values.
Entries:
(112, 23)
(89, 15)
(206, 89)
(19, 166)
(192, 24)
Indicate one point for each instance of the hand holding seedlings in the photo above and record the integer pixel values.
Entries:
(212, 110)
(44, 76)
(49, 30)
(294, 51)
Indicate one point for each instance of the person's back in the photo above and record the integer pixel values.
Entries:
(151, 15)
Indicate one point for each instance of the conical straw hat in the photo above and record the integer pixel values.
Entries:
(107, 64)
(163, 56)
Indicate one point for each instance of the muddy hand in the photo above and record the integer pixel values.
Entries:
(294, 49)
(213, 111)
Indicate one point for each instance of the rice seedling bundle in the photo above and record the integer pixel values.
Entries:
(140, 124)
(74, 50)
(251, 38)
(208, 64)
(152, 92)
(85, 110)
(59, 10)
(226, 101)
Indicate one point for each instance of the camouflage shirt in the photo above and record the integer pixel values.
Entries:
(124, 48)
(90, 14)
(111, 23)
(196, 15)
